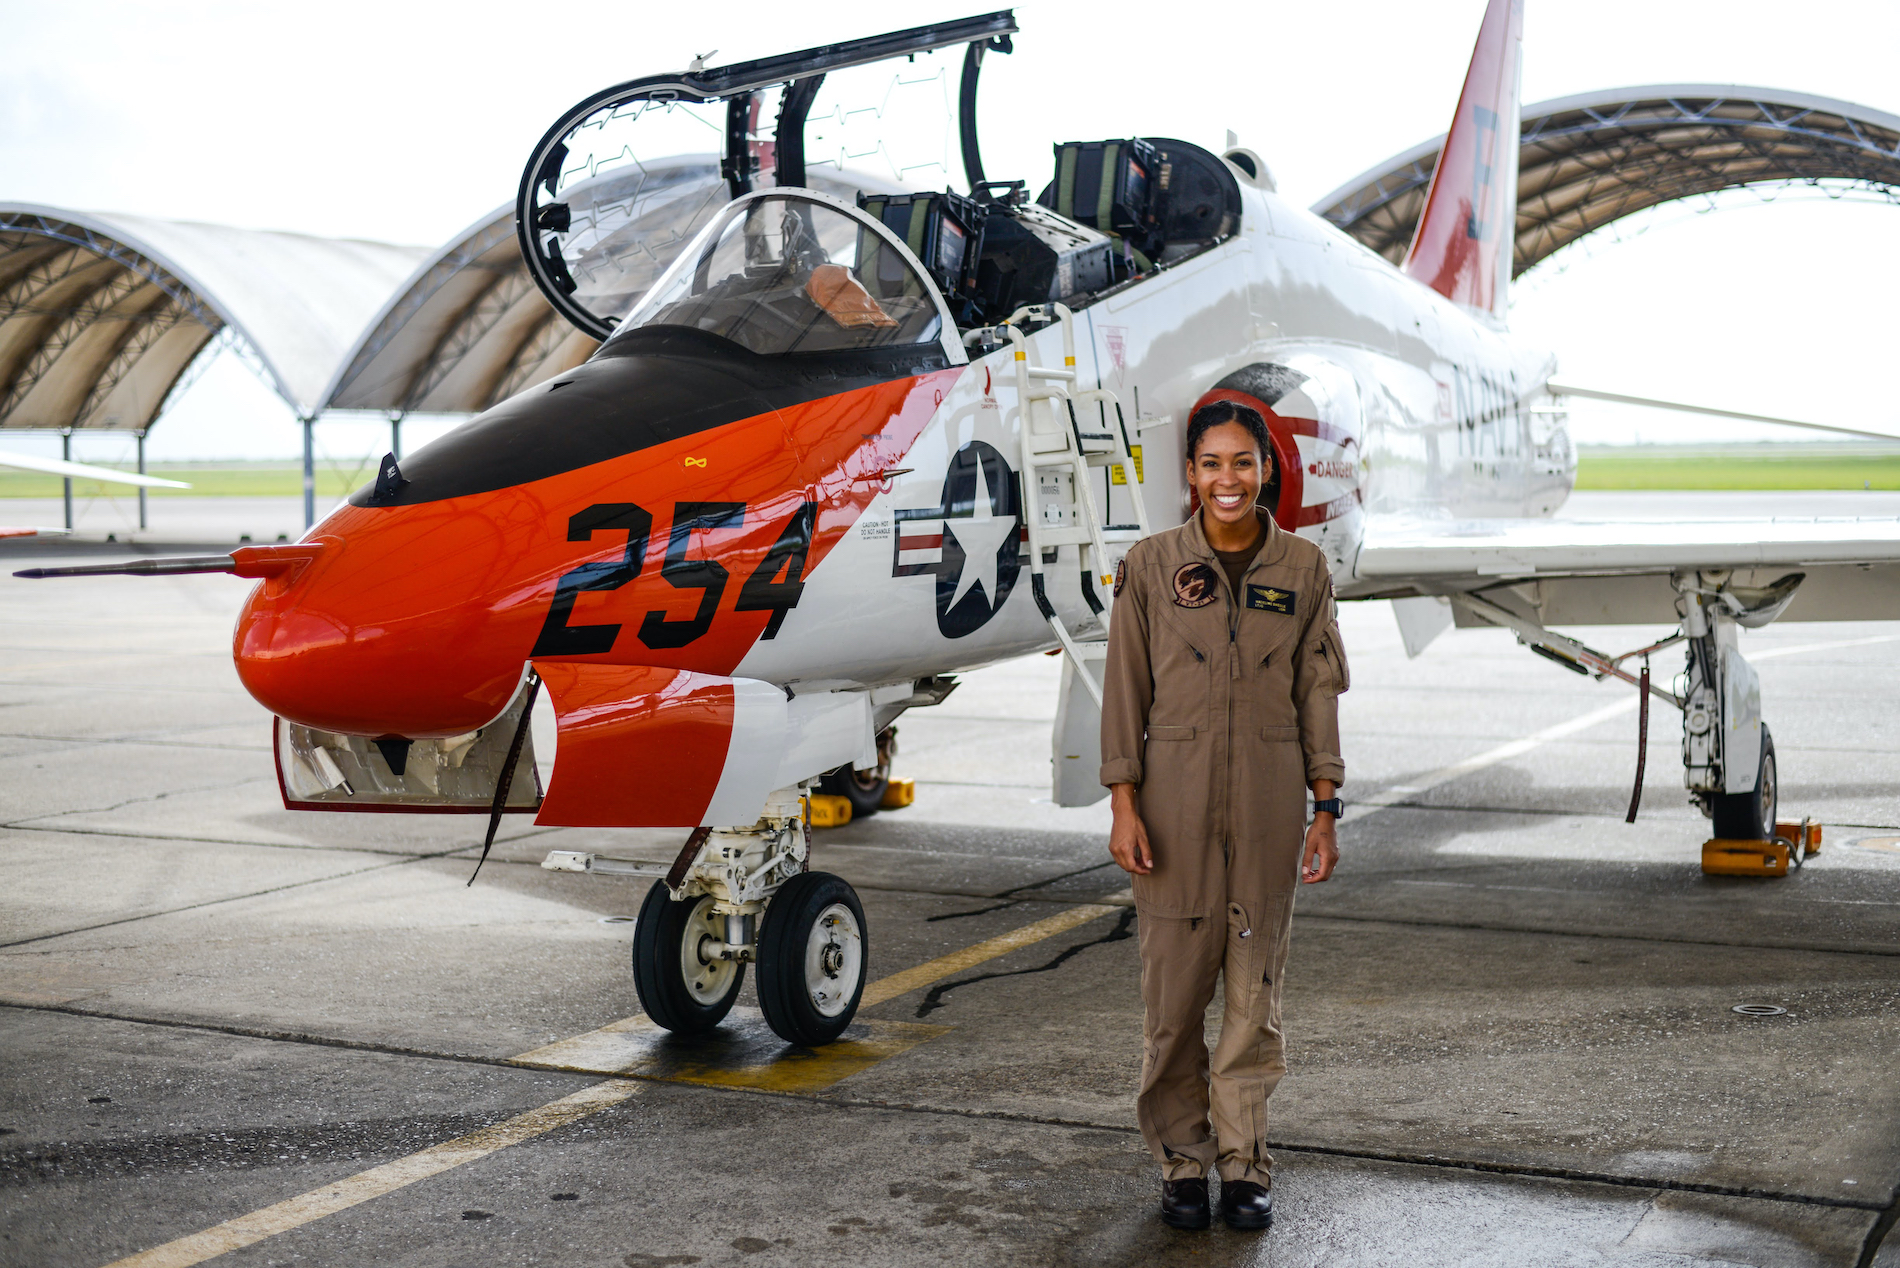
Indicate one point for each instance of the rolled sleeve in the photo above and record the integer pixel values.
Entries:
(1319, 676)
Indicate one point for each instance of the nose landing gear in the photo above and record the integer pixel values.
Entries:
(680, 987)
(811, 959)
(701, 924)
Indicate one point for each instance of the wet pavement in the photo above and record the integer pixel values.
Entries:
(1510, 1017)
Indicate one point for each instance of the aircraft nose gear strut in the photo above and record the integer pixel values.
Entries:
(738, 896)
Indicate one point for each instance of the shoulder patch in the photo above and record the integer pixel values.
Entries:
(1195, 585)
(1272, 599)
(1121, 575)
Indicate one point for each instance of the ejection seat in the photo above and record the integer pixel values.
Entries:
(1161, 199)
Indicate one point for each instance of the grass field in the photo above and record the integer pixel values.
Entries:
(1771, 466)
(223, 479)
(1781, 466)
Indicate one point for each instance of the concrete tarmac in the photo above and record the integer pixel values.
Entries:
(1510, 1015)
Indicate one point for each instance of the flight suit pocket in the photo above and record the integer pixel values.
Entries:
(1334, 650)
(1280, 734)
(1171, 732)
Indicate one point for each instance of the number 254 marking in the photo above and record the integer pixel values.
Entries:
(763, 591)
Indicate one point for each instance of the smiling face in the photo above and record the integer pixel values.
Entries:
(1227, 470)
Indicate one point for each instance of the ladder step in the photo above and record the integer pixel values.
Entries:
(1061, 535)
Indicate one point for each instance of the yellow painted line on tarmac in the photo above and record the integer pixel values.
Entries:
(634, 1045)
(295, 1212)
(741, 1052)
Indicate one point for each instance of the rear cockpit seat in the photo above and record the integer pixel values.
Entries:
(1116, 210)
(1165, 199)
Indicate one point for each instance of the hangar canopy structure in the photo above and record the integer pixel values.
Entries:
(1587, 160)
(101, 314)
(466, 330)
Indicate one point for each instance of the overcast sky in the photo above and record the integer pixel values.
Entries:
(404, 122)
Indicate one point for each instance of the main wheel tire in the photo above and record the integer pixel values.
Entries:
(679, 988)
(864, 789)
(812, 957)
(1750, 816)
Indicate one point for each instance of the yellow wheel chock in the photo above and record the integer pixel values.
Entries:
(1794, 844)
(828, 811)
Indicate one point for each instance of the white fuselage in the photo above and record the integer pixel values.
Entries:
(1426, 414)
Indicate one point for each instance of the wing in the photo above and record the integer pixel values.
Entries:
(1616, 573)
(85, 471)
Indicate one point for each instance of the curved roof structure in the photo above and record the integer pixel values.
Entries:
(101, 313)
(468, 328)
(1587, 160)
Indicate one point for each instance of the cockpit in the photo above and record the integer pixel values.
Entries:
(625, 184)
(790, 273)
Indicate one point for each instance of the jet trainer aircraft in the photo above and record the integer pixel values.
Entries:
(833, 450)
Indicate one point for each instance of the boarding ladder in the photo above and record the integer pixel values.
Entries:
(1057, 455)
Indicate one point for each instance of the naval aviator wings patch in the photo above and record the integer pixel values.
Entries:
(1271, 599)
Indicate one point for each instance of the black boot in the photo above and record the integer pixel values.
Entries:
(1184, 1203)
(1246, 1205)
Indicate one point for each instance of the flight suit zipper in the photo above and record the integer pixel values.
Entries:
(1233, 677)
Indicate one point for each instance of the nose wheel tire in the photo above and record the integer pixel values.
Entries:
(812, 957)
(680, 987)
(1749, 816)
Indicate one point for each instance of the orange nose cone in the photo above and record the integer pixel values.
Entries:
(352, 643)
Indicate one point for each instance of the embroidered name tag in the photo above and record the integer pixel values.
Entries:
(1268, 599)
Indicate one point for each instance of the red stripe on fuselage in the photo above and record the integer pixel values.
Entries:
(415, 620)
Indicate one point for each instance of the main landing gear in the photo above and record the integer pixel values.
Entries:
(701, 925)
(864, 789)
(1728, 754)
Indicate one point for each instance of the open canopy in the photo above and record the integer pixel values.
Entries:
(600, 201)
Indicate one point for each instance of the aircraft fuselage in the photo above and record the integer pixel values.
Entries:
(677, 505)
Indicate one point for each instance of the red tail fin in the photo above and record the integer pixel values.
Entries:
(1463, 245)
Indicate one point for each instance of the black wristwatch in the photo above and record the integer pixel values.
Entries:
(1330, 805)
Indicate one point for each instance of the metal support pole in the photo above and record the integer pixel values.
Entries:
(66, 453)
(142, 489)
(309, 474)
(395, 435)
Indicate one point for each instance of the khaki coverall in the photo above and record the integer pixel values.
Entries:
(1221, 708)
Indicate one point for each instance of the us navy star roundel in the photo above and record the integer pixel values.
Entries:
(978, 547)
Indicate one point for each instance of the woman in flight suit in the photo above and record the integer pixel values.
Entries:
(1220, 709)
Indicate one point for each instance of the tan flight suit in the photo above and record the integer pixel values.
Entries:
(1221, 709)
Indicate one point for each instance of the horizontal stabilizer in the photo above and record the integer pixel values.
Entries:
(1681, 407)
(85, 471)
(23, 530)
